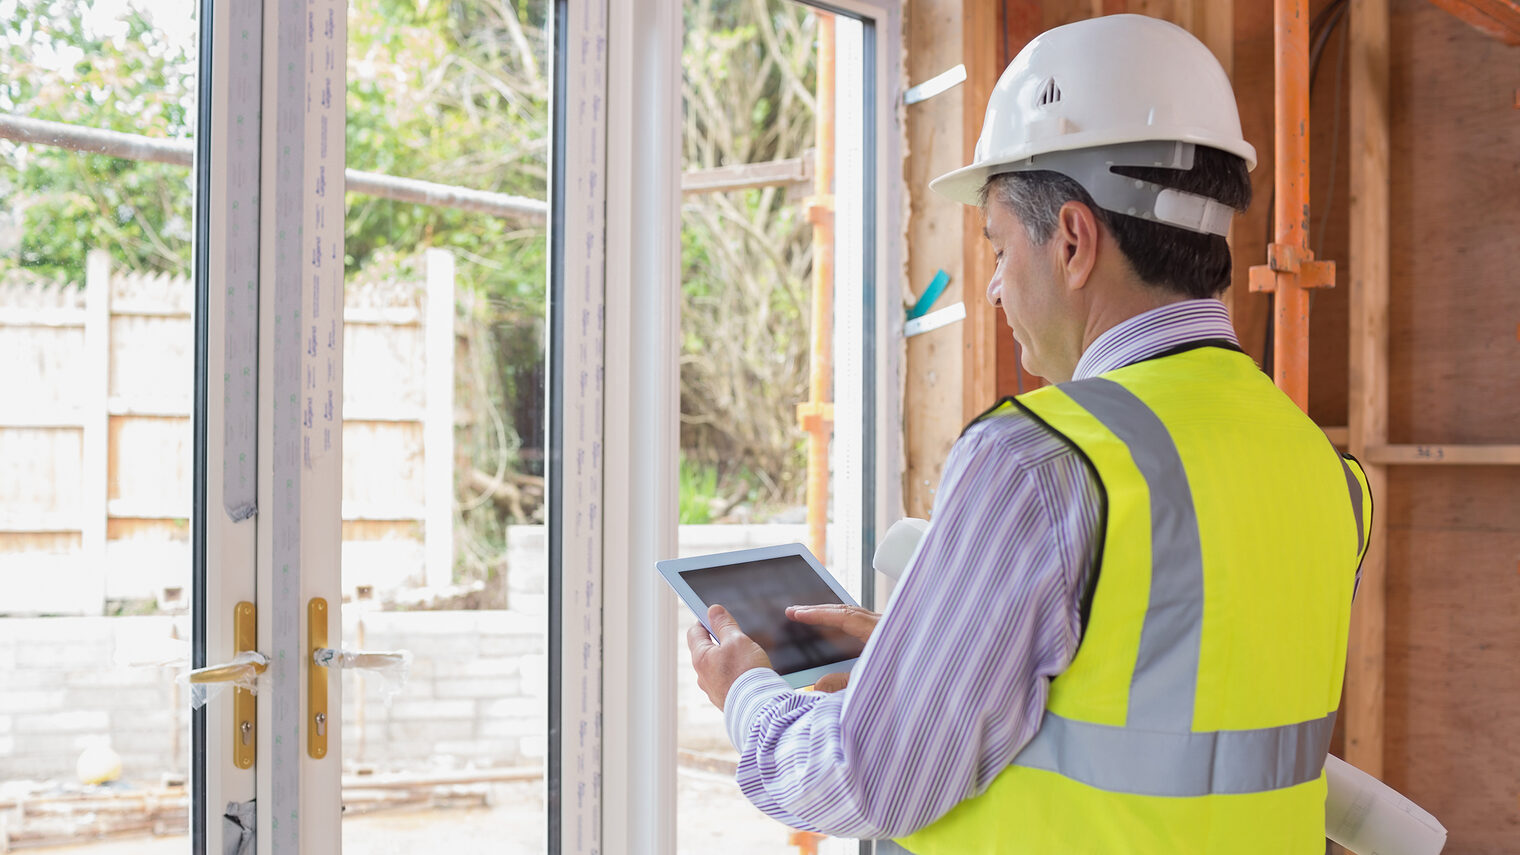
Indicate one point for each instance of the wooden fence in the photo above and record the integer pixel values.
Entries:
(96, 464)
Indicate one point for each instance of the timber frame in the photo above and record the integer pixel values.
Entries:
(1424, 324)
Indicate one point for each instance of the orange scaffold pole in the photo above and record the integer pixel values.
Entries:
(816, 415)
(1291, 270)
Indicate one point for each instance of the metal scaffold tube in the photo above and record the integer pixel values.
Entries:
(816, 416)
(1291, 270)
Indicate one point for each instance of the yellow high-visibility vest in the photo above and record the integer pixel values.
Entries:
(1197, 711)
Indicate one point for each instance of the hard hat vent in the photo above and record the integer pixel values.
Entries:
(1050, 93)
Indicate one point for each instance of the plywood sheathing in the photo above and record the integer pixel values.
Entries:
(1497, 18)
(1452, 690)
(949, 370)
(1452, 703)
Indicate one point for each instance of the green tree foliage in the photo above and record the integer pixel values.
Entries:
(455, 93)
(746, 255)
(60, 62)
(458, 93)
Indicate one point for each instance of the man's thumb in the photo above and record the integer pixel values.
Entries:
(723, 624)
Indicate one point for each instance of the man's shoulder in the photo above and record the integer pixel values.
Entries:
(1011, 433)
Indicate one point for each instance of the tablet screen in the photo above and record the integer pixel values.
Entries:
(757, 593)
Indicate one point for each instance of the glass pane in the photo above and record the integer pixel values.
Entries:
(96, 460)
(773, 433)
(444, 553)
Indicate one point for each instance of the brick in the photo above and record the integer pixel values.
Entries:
(535, 671)
(513, 728)
(65, 721)
(529, 604)
(158, 742)
(135, 698)
(517, 644)
(474, 688)
(535, 746)
(62, 654)
(486, 666)
(515, 708)
(34, 678)
(432, 710)
(34, 701)
(124, 676)
(421, 735)
(480, 752)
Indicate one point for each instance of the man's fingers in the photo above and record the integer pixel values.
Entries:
(826, 614)
(697, 639)
(831, 682)
(724, 627)
(853, 620)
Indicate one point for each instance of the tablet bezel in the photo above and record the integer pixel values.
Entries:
(672, 568)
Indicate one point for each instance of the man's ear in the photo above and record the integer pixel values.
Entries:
(1076, 242)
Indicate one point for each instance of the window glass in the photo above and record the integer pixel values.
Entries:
(97, 118)
(774, 351)
(444, 549)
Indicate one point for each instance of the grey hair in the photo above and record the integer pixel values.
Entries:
(1188, 263)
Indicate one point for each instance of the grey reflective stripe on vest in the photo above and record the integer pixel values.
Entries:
(1156, 752)
(1124, 760)
(1355, 487)
(1166, 670)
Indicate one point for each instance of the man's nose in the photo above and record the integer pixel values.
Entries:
(994, 292)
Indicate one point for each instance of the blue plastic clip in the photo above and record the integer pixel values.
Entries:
(926, 300)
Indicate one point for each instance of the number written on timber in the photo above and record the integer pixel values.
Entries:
(1429, 452)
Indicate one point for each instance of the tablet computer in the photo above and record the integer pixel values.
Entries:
(756, 586)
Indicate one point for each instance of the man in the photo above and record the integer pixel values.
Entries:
(1125, 629)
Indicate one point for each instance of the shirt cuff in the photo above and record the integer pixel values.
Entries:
(746, 697)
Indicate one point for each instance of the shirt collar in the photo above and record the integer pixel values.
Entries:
(1153, 332)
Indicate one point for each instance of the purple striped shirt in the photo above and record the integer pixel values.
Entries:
(952, 684)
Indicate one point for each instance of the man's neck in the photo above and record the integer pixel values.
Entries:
(1122, 303)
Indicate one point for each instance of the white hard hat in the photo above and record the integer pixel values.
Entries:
(1100, 85)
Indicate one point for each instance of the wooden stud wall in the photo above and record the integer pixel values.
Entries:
(1417, 349)
(950, 371)
(1452, 678)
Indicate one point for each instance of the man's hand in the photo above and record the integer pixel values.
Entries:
(719, 664)
(853, 621)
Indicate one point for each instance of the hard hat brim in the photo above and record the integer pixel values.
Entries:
(964, 185)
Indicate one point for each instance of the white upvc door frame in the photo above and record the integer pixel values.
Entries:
(300, 437)
(634, 798)
(581, 456)
(643, 234)
(226, 255)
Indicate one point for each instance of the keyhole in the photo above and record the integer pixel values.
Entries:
(247, 729)
(321, 724)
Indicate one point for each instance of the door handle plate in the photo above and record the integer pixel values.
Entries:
(245, 707)
(316, 679)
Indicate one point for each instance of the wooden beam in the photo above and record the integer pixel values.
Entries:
(1022, 20)
(979, 47)
(796, 171)
(933, 396)
(1449, 455)
(1368, 395)
(1497, 18)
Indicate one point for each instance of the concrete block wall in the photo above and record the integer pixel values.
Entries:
(66, 685)
(476, 692)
